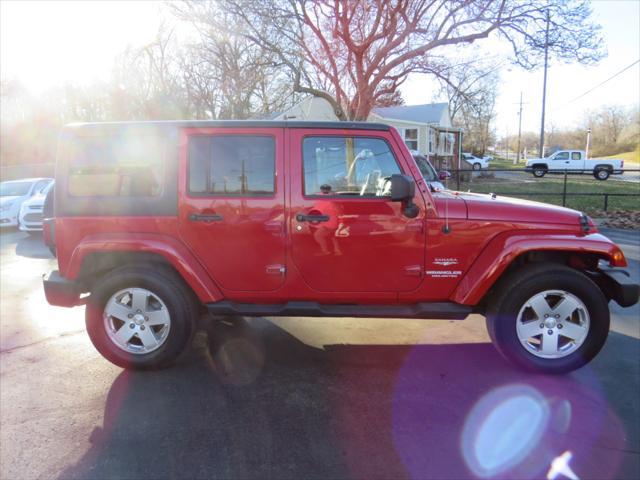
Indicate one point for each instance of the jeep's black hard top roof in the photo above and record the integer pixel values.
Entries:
(231, 124)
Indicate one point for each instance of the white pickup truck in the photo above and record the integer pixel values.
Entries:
(574, 161)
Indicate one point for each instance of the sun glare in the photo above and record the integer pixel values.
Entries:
(47, 43)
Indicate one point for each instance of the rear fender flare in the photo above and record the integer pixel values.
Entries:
(173, 251)
(505, 248)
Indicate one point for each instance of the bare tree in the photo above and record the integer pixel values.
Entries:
(147, 83)
(352, 53)
(466, 84)
(229, 74)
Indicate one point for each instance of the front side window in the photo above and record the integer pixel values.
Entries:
(116, 166)
(411, 138)
(236, 165)
(348, 166)
(562, 156)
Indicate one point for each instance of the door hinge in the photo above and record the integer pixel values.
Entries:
(276, 269)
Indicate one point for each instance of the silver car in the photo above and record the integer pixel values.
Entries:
(14, 193)
(30, 217)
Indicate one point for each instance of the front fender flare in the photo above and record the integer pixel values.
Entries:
(173, 251)
(506, 247)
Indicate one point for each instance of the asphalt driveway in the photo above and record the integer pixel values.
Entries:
(304, 398)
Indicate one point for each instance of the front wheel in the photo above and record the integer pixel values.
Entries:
(477, 166)
(139, 317)
(539, 172)
(548, 318)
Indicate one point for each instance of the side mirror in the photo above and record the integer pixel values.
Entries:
(444, 175)
(403, 188)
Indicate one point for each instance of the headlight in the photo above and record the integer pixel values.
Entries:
(6, 206)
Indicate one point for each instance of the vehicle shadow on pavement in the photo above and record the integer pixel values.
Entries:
(32, 246)
(255, 402)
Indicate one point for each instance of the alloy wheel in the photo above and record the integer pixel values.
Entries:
(552, 324)
(136, 320)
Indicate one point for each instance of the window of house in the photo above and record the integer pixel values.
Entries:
(447, 141)
(411, 138)
(116, 166)
(432, 141)
(349, 166)
(232, 165)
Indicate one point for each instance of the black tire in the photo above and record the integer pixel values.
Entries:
(477, 166)
(181, 304)
(601, 174)
(512, 292)
(539, 172)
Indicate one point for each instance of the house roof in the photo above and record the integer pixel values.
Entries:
(426, 113)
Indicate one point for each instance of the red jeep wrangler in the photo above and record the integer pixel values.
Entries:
(156, 221)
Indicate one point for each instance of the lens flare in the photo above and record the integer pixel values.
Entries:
(503, 428)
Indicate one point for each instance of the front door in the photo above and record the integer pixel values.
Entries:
(232, 205)
(346, 233)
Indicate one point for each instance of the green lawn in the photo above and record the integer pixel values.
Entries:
(551, 187)
(502, 163)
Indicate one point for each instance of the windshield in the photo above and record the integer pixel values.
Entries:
(45, 189)
(14, 189)
(426, 169)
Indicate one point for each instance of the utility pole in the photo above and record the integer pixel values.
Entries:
(519, 129)
(506, 143)
(544, 86)
(586, 152)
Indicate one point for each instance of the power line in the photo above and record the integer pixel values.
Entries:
(602, 83)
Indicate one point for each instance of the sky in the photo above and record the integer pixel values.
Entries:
(49, 43)
(620, 21)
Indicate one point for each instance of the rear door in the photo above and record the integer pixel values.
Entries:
(346, 233)
(232, 204)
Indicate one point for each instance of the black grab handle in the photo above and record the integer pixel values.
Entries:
(312, 218)
(205, 217)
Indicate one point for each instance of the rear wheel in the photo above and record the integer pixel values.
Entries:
(548, 318)
(601, 174)
(140, 318)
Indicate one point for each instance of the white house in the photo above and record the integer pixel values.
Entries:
(425, 128)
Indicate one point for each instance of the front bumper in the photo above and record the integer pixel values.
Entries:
(617, 285)
(61, 292)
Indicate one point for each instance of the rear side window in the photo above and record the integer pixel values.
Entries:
(116, 166)
(348, 166)
(236, 165)
(575, 156)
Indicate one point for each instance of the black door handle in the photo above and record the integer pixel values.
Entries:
(312, 218)
(205, 217)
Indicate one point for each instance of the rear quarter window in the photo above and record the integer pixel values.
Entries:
(116, 166)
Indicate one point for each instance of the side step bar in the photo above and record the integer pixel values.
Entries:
(439, 310)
